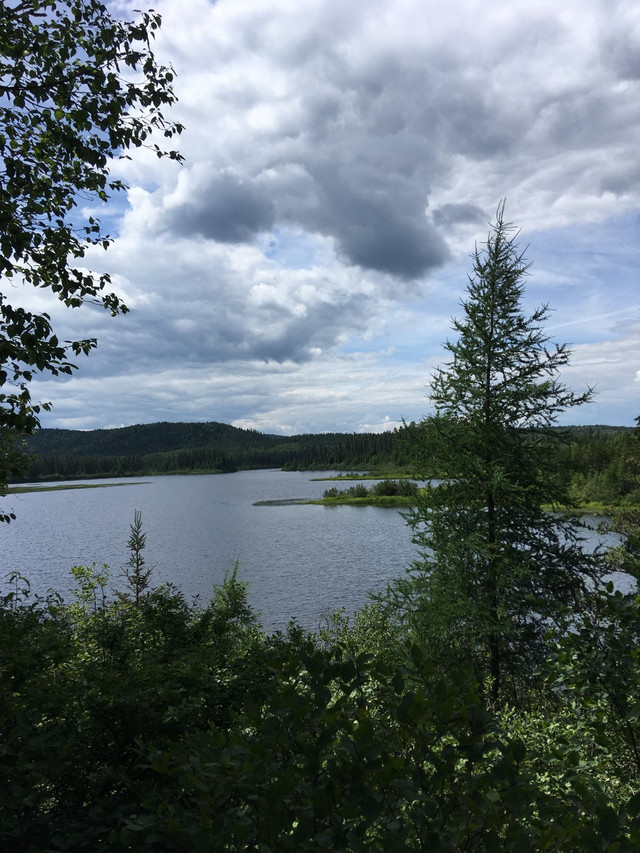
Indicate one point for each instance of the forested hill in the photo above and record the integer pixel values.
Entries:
(143, 439)
(163, 448)
(593, 458)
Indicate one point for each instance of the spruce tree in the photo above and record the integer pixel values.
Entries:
(496, 568)
(137, 577)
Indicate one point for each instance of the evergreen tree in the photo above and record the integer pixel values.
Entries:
(137, 576)
(496, 569)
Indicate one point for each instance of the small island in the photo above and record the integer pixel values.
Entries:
(386, 493)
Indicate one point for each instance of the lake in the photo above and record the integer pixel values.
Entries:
(300, 561)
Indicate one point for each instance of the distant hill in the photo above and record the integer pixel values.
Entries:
(171, 448)
(164, 448)
(142, 439)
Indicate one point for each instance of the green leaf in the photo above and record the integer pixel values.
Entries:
(609, 824)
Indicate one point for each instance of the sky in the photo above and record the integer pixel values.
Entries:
(299, 272)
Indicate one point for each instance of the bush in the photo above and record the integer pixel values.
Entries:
(331, 493)
(385, 488)
(358, 491)
(165, 727)
(391, 488)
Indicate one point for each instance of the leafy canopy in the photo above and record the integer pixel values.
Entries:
(77, 88)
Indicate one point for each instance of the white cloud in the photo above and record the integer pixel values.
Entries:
(300, 270)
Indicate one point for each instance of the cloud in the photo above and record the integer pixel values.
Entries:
(452, 214)
(353, 125)
(203, 302)
(341, 161)
(223, 208)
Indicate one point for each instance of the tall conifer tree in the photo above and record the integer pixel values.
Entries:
(496, 568)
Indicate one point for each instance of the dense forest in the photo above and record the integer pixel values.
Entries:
(169, 448)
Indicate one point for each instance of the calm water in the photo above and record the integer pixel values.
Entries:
(300, 561)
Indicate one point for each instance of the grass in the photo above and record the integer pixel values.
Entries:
(368, 475)
(370, 500)
(18, 490)
(346, 500)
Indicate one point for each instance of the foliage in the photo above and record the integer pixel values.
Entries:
(603, 469)
(178, 447)
(137, 577)
(169, 727)
(86, 691)
(78, 87)
(91, 593)
(597, 665)
(357, 491)
(385, 488)
(371, 631)
(12, 463)
(495, 568)
(625, 519)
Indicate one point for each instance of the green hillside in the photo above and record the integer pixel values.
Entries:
(165, 448)
(143, 439)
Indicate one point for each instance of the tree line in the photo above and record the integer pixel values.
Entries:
(591, 460)
(184, 447)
